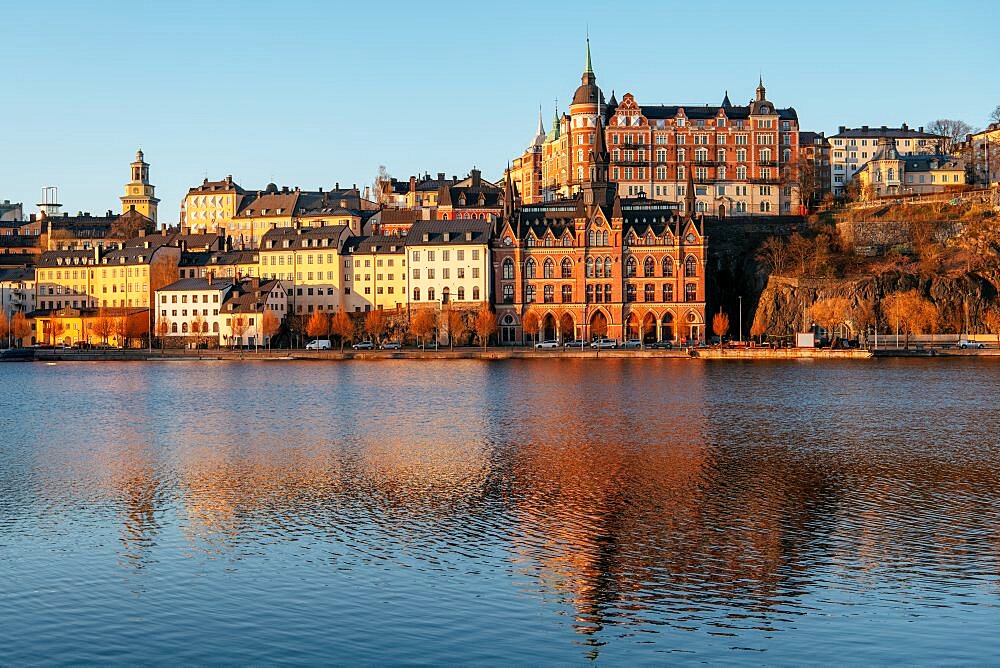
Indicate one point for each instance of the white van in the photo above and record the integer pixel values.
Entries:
(319, 344)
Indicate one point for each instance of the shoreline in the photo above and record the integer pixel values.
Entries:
(741, 354)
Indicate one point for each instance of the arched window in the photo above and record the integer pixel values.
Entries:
(215, 327)
(590, 267)
(690, 292)
(461, 293)
(549, 268)
(173, 328)
(567, 268)
(604, 241)
(548, 240)
(668, 292)
(508, 294)
(530, 240)
(184, 328)
(690, 267)
(508, 268)
(607, 268)
(892, 174)
(591, 238)
(416, 294)
(567, 240)
(529, 268)
(648, 267)
(430, 294)
(630, 268)
(475, 293)
(668, 267)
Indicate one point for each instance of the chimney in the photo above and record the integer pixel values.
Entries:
(920, 129)
(476, 178)
(97, 254)
(211, 275)
(336, 186)
(440, 176)
(865, 128)
(905, 127)
(413, 184)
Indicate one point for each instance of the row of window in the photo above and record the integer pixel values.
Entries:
(445, 273)
(446, 294)
(445, 255)
(598, 293)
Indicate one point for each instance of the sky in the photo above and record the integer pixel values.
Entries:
(311, 94)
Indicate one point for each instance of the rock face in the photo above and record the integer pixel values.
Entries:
(784, 304)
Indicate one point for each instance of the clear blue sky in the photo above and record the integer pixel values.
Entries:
(312, 93)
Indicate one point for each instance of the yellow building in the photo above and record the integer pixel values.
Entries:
(307, 261)
(374, 273)
(212, 205)
(127, 276)
(119, 327)
(889, 173)
(139, 191)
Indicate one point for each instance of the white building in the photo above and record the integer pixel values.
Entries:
(244, 309)
(448, 262)
(17, 291)
(852, 148)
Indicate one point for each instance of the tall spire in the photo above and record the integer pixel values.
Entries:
(508, 195)
(590, 67)
(760, 88)
(541, 126)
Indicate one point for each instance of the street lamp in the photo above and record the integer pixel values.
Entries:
(741, 319)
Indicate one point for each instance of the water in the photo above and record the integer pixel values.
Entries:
(628, 511)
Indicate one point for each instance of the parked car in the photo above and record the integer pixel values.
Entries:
(632, 344)
(975, 345)
(573, 344)
(319, 344)
(662, 345)
(391, 345)
(603, 343)
(364, 345)
(547, 343)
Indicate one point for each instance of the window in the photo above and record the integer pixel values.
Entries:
(508, 293)
(549, 268)
(607, 267)
(530, 268)
(507, 268)
(416, 294)
(629, 292)
(475, 292)
(590, 266)
(529, 293)
(430, 294)
(648, 267)
(567, 294)
(649, 292)
(461, 293)
(668, 292)
(690, 267)
(548, 294)
(590, 293)
(630, 268)
(690, 292)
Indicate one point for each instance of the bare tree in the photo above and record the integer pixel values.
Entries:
(773, 255)
(995, 115)
(269, 326)
(486, 324)
(831, 312)
(375, 325)
(953, 130)
(4, 325)
(103, 325)
(423, 324)
(239, 325)
(456, 325)
(720, 325)
(318, 325)
(382, 187)
(911, 312)
(531, 325)
(800, 252)
(162, 329)
(342, 325)
(21, 328)
(120, 329)
(199, 328)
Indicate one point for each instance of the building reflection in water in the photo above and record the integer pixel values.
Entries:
(640, 497)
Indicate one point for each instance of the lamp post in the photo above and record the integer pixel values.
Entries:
(741, 319)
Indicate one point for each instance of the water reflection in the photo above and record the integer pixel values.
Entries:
(660, 506)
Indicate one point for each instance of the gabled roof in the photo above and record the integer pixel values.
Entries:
(306, 237)
(220, 284)
(377, 243)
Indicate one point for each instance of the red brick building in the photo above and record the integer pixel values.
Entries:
(597, 261)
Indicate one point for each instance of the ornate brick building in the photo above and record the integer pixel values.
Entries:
(739, 155)
(596, 262)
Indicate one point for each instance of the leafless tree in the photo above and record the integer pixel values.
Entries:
(531, 324)
(953, 130)
(21, 328)
(375, 325)
(423, 324)
(342, 325)
(269, 326)
(456, 325)
(486, 324)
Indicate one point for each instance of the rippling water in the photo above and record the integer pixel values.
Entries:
(522, 511)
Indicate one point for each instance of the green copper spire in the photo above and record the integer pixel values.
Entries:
(590, 67)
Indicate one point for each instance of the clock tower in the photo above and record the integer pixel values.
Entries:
(139, 191)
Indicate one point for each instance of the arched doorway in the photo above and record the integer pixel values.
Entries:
(632, 327)
(722, 211)
(667, 327)
(598, 325)
(695, 329)
(508, 330)
(548, 327)
(567, 328)
(648, 328)
(445, 295)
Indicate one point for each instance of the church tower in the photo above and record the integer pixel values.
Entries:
(139, 191)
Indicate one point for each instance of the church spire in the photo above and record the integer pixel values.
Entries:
(760, 89)
(541, 126)
(590, 67)
(689, 199)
